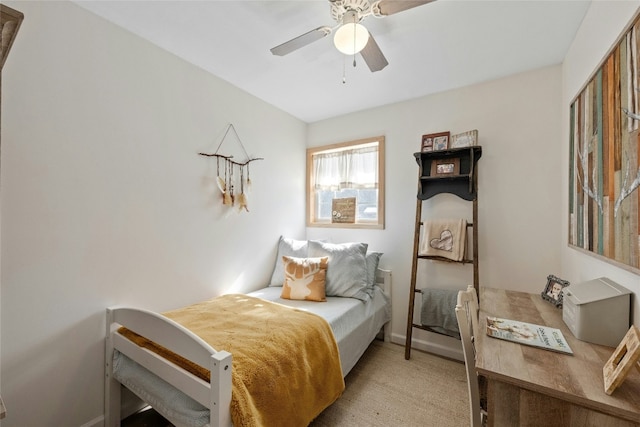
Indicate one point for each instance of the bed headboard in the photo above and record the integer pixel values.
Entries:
(383, 279)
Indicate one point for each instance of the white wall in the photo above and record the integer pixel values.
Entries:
(105, 200)
(519, 123)
(604, 23)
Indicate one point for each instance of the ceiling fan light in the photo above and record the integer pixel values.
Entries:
(344, 38)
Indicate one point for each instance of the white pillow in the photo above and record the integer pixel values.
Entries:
(347, 272)
(286, 247)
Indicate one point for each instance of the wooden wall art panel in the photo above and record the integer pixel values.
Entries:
(604, 162)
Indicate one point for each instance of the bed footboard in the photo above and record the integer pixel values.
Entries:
(384, 280)
(214, 395)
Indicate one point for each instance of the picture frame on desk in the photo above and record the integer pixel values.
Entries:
(622, 360)
(553, 290)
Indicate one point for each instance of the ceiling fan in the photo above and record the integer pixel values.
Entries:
(351, 36)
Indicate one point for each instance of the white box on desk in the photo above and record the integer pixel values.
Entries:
(597, 311)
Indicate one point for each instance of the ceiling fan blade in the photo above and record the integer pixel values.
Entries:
(389, 7)
(373, 56)
(301, 41)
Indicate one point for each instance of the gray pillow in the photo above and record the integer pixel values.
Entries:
(372, 259)
(286, 247)
(347, 271)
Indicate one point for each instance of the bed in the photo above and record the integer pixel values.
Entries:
(187, 399)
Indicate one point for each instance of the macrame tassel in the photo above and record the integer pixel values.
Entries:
(221, 184)
(228, 195)
(242, 198)
(242, 202)
(248, 179)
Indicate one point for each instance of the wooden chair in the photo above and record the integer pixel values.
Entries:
(467, 315)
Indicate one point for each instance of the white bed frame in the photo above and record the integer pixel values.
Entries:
(383, 279)
(216, 395)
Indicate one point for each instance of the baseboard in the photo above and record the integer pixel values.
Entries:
(96, 422)
(430, 347)
(130, 404)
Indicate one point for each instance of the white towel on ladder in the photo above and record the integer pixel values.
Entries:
(446, 238)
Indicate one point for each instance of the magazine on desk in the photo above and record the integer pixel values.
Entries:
(528, 334)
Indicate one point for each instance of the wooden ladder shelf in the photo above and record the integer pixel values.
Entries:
(462, 182)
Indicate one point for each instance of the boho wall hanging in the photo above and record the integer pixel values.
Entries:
(604, 170)
(228, 179)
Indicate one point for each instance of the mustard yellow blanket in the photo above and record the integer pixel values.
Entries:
(286, 366)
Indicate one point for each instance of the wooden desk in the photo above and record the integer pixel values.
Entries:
(528, 386)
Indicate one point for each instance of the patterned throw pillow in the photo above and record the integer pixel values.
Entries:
(304, 278)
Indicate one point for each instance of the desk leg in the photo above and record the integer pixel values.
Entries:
(503, 404)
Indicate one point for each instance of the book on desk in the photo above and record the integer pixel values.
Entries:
(528, 334)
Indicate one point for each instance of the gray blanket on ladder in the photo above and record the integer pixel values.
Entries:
(438, 311)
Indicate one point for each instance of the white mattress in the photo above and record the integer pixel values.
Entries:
(355, 323)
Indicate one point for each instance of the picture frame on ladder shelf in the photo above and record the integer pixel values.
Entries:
(435, 141)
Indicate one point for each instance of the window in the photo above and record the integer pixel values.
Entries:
(341, 173)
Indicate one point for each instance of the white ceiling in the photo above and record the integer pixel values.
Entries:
(435, 47)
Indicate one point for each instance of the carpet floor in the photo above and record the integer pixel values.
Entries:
(384, 389)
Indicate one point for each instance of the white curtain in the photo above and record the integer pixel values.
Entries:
(345, 169)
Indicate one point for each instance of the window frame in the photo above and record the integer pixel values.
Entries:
(311, 193)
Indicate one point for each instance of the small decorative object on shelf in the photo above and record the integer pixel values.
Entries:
(228, 183)
(553, 291)
(435, 141)
(465, 139)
